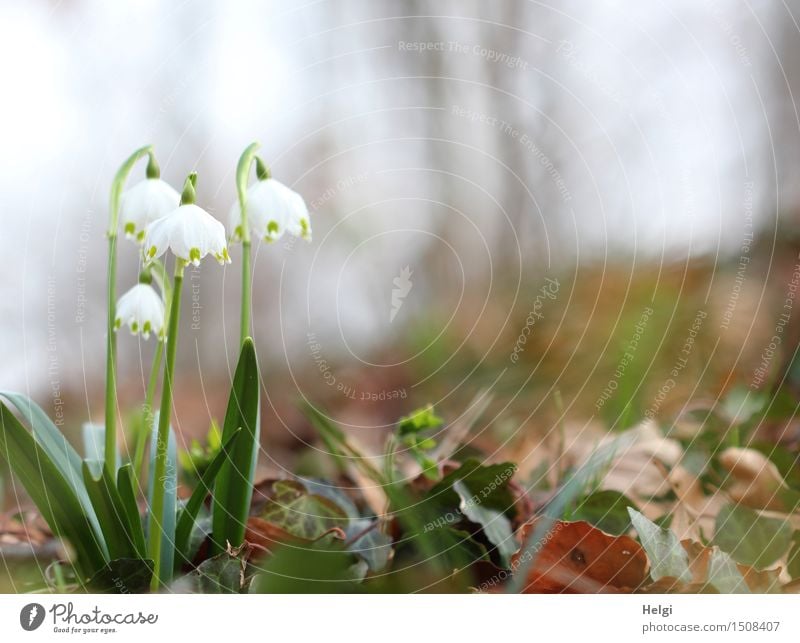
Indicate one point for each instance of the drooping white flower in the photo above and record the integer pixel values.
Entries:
(145, 202)
(272, 210)
(190, 232)
(142, 309)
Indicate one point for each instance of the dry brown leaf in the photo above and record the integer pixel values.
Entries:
(694, 512)
(754, 479)
(266, 535)
(576, 557)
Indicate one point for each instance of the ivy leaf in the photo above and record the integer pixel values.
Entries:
(300, 513)
(725, 575)
(222, 574)
(332, 493)
(752, 539)
(667, 556)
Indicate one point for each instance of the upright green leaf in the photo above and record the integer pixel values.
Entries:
(170, 483)
(53, 495)
(188, 516)
(667, 555)
(233, 488)
(58, 448)
(127, 494)
(114, 519)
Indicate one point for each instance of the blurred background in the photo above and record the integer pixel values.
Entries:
(511, 197)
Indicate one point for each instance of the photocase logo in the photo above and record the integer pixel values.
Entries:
(402, 286)
(31, 616)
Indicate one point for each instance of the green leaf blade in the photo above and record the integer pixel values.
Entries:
(188, 516)
(169, 517)
(52, 493)
(233, 489)
(111, 513)
(749, 537)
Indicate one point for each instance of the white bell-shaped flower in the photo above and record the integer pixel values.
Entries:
(142, 310)
(190, 232)
(272, 210)
(145, 202)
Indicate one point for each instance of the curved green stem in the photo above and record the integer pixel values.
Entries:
(117, 186)
(147, 414)
(157, 508)
(247, 288)
(242, 174)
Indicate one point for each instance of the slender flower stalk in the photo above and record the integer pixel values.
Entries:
(190, 233)
(155, 271)
(110, 451)
(268, 209)
(147, 415)
(242, 173)
(157, 510)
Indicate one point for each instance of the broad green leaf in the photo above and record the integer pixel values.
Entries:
(300, 513)
(113, 516)
(667, 555)
(233, 488)
(332, 493)
(725, 575)
(188, 515)
(324, 566)
(170, 483)
(127, 495)
(53, 495)
(496, 526)
(61, 452)
(444, 549)
(606, 510)
(752, 539)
